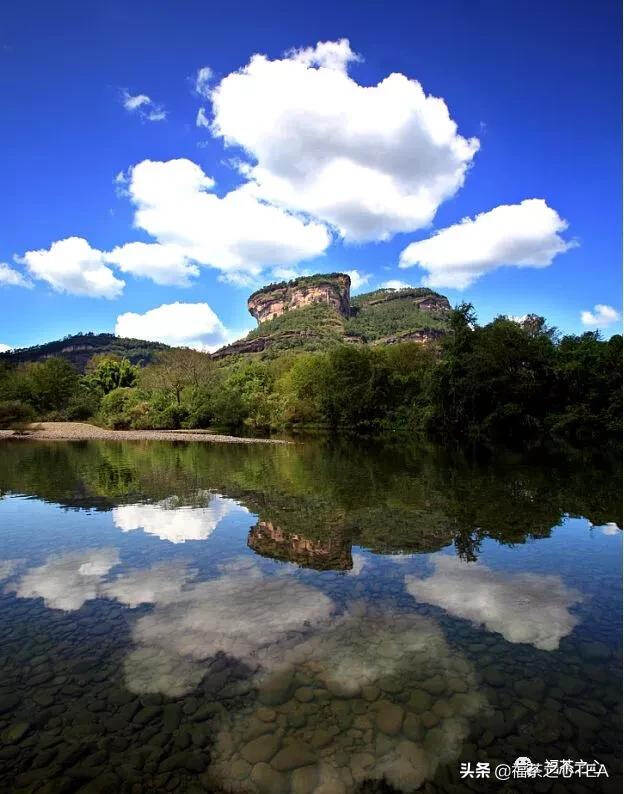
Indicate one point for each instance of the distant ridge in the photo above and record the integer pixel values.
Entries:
(78, 349)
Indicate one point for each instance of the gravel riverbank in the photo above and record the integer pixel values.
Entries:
(82, 431)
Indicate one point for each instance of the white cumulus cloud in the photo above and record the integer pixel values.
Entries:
(177, 324)
(9, 277)
(143, 106)
(163, 264)
(358, 279)
(369, 160)
(236, 233)
(601, 316)
(521, 235)
(5, 348)
(72, 266)
(191, 226)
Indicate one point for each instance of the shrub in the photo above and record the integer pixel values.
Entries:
(82, 405)
(15, 414)
(115, 408)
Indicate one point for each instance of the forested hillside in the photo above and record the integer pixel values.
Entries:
(79, 348)
(383, 316)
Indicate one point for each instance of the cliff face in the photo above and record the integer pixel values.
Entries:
(272, 301)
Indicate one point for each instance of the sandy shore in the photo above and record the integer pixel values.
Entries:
(81, 431)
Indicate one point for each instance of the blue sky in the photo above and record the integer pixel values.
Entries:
(318, 174)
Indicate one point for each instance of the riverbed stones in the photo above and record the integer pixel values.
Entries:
(188, 761)
(276, 688)
(420, 701)
(337, 712)
(443, 708)
(208, 711)
(146, 714)
(408, 768)
(269, 780)
(293, 756)
(429, 719)
(343, 688)
(370, 693)
(457, 685)
(8, 702)
(530, 688)
(171, 716)
(44, 699)
(261, 749)
(493, 676)
(582, 720)
(570, 684)
(547, 728)
(413, 728)
(15, 732)
(297, 718)
(435, 685)
(389, 717)
(265, 714)
(321, 738)
(181, 739)
(304, 780)
(595, 650)
(391, 684)
(240, 769)
(336, 786)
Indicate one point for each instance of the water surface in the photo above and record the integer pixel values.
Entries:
(188, 617)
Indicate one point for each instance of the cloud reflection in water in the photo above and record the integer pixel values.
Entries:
(523, 607)
(173, 522)
(66, 581)
(354, 690)
(239, 613)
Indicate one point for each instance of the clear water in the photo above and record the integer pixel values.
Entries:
(197, 617)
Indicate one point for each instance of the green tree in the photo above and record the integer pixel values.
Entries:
(107, 372)
(47, 385)
(177, 369)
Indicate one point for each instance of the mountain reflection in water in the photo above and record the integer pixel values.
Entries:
(180, 617)
(332, 552)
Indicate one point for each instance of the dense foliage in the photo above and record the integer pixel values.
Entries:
(52, 389)
(502, 381)
(396, 315)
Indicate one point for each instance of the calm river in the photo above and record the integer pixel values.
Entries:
(307, 618)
